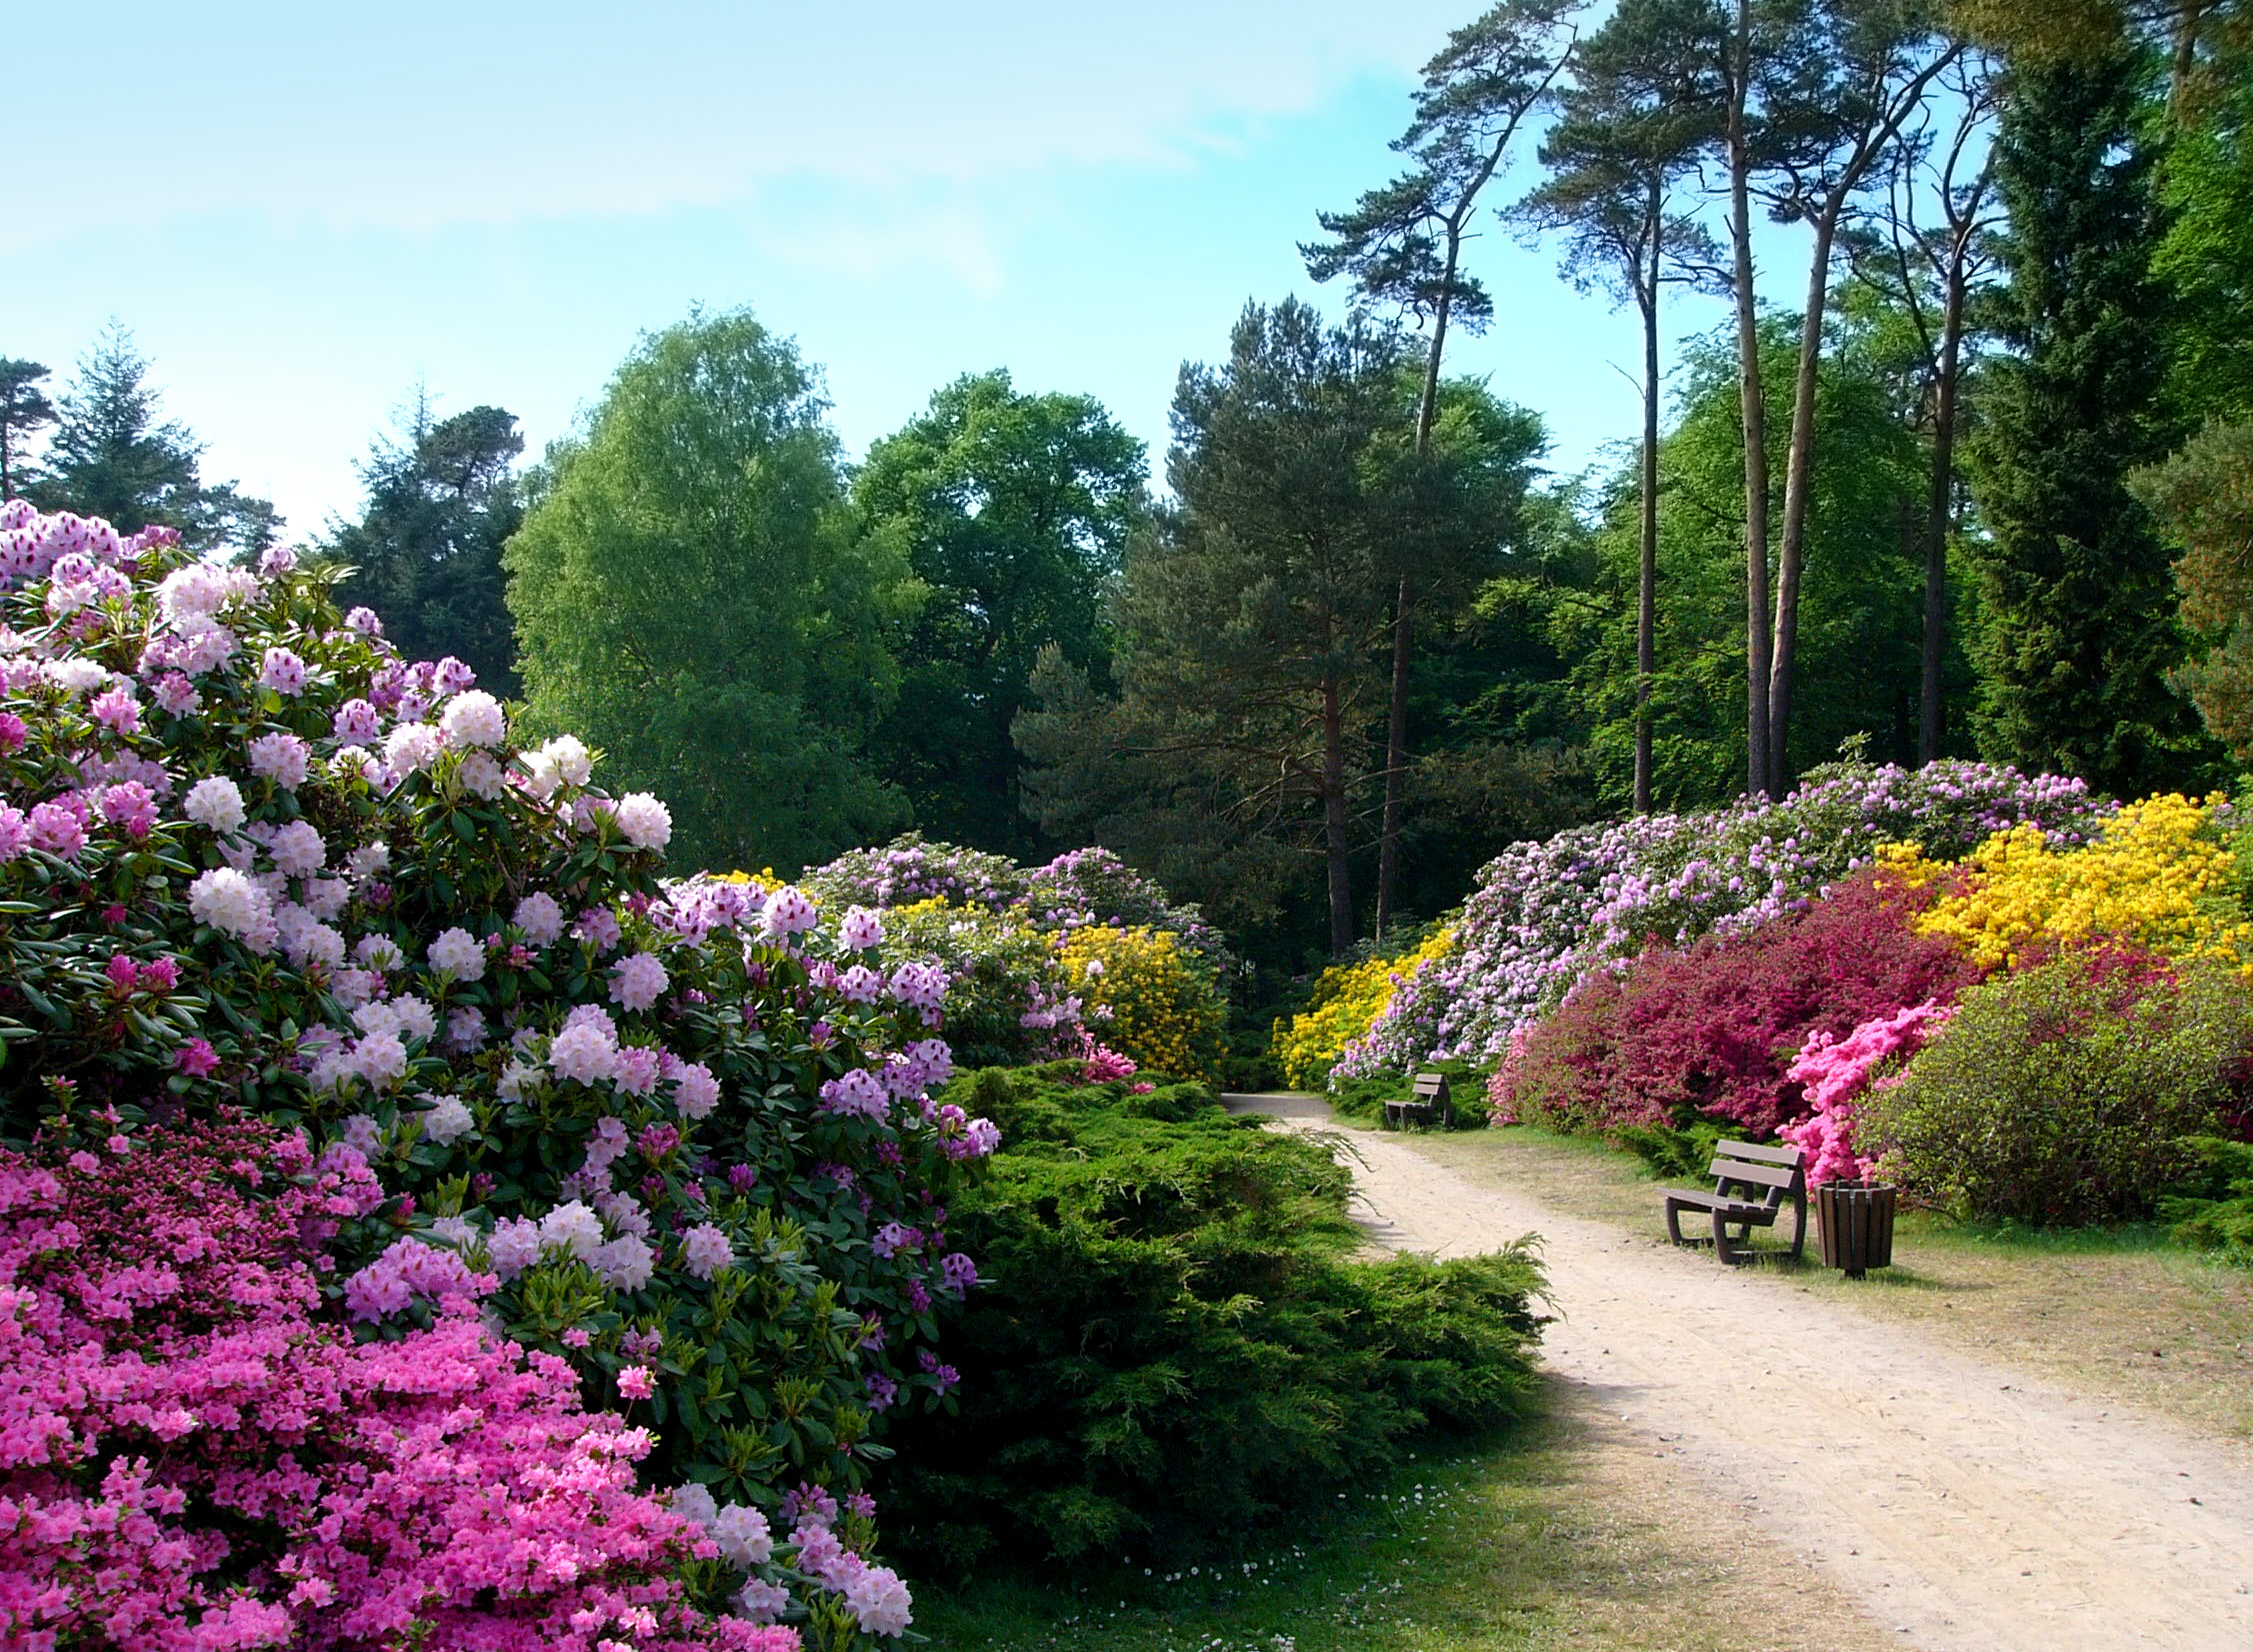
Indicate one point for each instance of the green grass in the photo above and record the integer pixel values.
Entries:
(1567, 1533)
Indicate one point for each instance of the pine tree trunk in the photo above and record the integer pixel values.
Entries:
(1646, 592)
(1931, 712)
(1404, 638)
(1799, 466)
(1337, 846)
(1755, 413)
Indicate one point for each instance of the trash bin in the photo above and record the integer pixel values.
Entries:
(1855, 1220)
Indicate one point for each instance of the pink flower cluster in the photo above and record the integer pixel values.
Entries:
(188, 1459)
(1837, 1073)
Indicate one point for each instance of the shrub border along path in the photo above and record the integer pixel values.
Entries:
(1958, 1501)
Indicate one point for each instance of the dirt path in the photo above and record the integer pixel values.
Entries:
(1968, 1507)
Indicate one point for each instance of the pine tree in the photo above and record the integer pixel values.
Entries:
(441, 503)
(2079, 616)
(24, 408)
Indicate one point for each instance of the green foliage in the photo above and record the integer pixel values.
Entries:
(1858, 628)
(1172, 1349)
(1671, 1154)
(2065, 1092)
(2203, 497)
(2080, 626)
(2212, 1207)
(24, 408)
(440, 505)
(1007, 977)
(1013, 510)
(690, 596)
(113, 455)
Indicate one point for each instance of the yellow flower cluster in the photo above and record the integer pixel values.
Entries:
(1165, 1009)
(764, 878)
(1347, 1000)
(2158, 874)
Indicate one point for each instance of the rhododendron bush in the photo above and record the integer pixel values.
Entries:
(1712, 1030)
(1544, 915)
(674, 1135)
(1016, 944)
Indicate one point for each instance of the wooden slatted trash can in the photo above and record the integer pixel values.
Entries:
(1855, 1221)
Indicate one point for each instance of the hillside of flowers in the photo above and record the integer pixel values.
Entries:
(2021, 1002)
(420, 1223)
(1545, 915)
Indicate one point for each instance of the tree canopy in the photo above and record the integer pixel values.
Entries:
(1013, 510)
(691, 594)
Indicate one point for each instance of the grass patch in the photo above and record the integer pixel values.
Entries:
(2118, 1314)
(1570, 1533)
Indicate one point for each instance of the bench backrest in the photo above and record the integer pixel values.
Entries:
(1431, 1087)
(1777, 1173)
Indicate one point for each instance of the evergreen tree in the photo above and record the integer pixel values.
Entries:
(1403, 245)
(1013, 511)
(24, 408)
(113, 455)
(1246, 623)
(441, 502)
(691, 598)
(2079, 628)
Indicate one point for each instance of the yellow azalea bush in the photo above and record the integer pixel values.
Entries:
(1347, 1000)
(1149, 997)
(2161, 874)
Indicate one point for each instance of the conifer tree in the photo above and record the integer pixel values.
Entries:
(2079, 624)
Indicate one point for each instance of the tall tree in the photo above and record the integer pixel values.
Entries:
(24, 408)
(441, 503)
(1245, 622)
(1930, 248)
(1632, 128)
(689, 596)
(1013, 510)
(2080, 628)
(1862, 71)
(1403, 246)
(113, 455)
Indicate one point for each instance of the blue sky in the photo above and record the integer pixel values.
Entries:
(301, 210)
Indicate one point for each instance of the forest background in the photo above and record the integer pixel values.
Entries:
(1971, 477)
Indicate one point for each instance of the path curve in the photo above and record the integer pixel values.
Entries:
(1970, 1507)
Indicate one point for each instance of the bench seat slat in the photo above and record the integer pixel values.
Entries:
(1767, 1175)
(1690, 1198)
(1755, 1150)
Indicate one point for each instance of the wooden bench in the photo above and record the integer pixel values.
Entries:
(1767, 1175)
(1430, 1100)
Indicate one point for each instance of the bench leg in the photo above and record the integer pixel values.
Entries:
(1798, 1226)
(1674, 1223)
(1721, 1238)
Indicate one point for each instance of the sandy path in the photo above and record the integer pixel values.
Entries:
(1970, 1508)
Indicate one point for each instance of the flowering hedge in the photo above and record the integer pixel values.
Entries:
(2161, 874)
(1712, 1030)
(1083, 888)
(676, 1136)
(1010, 1000)
(1151, 997)
(1545, 914)
(1347, 1001)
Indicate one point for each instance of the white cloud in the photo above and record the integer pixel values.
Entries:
(418, 115)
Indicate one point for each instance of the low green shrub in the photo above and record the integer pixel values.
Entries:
(2067, 1092)
(1173, 1346)
(1670, 1154)
(2212, 1207)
